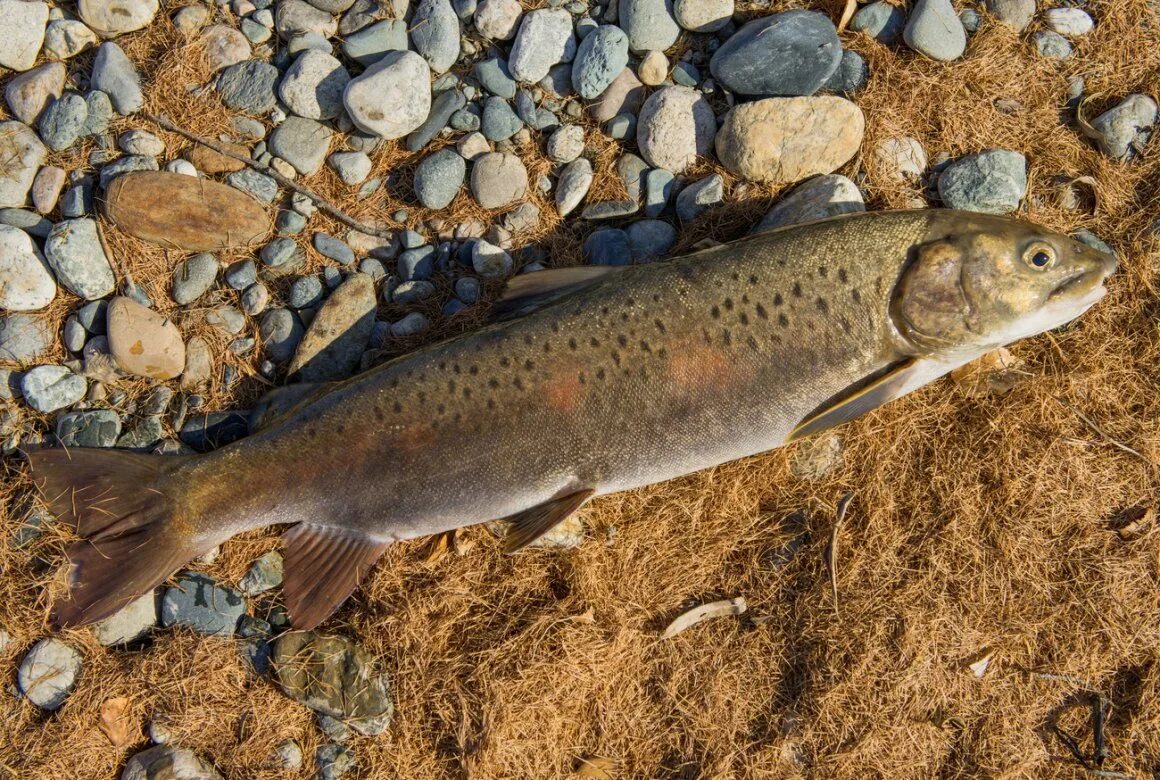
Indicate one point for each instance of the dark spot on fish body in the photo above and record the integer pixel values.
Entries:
(572, 344)
(491, 403)
(744, 300)
(727, 337)
(744, 318)
(783, 320)
(473, 370)
(527, 338)
(797, 290)
(467, 392)
(822, 305)
(398, 408)
(556, 327)
(622, 340)
(505, 361)
(660, 325)
(843, 277)
(442, 365)
(600, 374)
(340, 429)
(616, 357)
(822, 271)
(440, 409)
(379, 413)
(547, 347)
(728, 304)
(777, 299)
(857, 296)
(752, 343)
(594, 342)
(761, 312)
(451, 385)
(644, 346)
(715, 313)
(752, 279)
(493, 383)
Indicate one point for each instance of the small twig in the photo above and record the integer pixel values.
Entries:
(847, 14)
(1100, 432)
(1073, 747)
(832, 552)
(322, 203)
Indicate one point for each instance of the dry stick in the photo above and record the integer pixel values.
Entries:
(1100, 432)
(832, 553)
(322, 203)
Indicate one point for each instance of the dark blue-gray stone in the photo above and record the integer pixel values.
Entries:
(257, 184)
(306, 291)
(442, 107)
(417, 264)
(650, 239)
(126, 164)
(91, 316)
(281, 331)
(410, 325)
(192, 278)
(686, 74)
(658, 188)
(143, 435)
(499, 121)
(369, 44)
(466, 119)
(494, 76)
(790, 53)
(241, 274)
(467, 289)
(204, 432)
(63, 121)
(30, 222)
(600, 58)
(410, 292)
(249, 86)
(609, 209)
(608, 246)
(992, 182)
(851, 75)
(881, 21)
(289, 222)
(534, 117)
(77, 200)
(439, 177)
(90, 428)
(74, 335)
(329, 246)
(278, 252)
(700, 196)
(199, 602)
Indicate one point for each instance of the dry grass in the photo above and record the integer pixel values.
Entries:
(979, 524)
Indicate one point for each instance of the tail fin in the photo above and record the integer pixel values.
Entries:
(134, 533)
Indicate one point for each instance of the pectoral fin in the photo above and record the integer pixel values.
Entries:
(863, 397)
(529, 525)
(323, 566)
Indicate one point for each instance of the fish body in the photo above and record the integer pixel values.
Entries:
(634, 376)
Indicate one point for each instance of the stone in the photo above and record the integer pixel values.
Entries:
(699, 197)
(180, 212)
(296, 17)
(240, 274)
(609, 209)
(208, 161)
(249, 86)
(607, 246)
(819, 198)
(676, 127)
(289, 754)
(600, 58)
(369, 44)
(792, 53)
(333, 761)
(934, 29)
(545, 38)
(1016, 14)
(198, 364)
(227, 319)
(445, 104)
(116, 75)
(650, 239)
(30, 222)
(439, 177)
(499, 121)
(903, 158)
(22, 153)
(816, 457)
(62, 122)
(101, 112)
(851, 76)
(46, 188)
(48, 388)
(498, 19)
(333, 676)
(992, 182)
(1125, 128)
(1051, 45)
(881, 21)
(24, 24)
(141, 142)
(653, 68)
(572, 187)
(202, 433)
(73, 250)
(198, 602)
(566, 144)
(650, 24)
(190, 19)
(143, 342)
(417, 263)
(435, 33)
(495, 77)
(338, 335)
(280, 333)
(330, 247)
(658, 188)
(498, 179)
(166, 762)
(783, 140)
(301, 142)
(88, 428)
(130, 623)
(48, 672)
(145, 434)
(624, 95)
(472, 146)
(259, 185)
(1071, 22)
(392, 97)
(352, 167)
(24, 337)
(26, 281)
(128, 164)
(28, 94)
(489, 260)
(264, 574)
(66, 38)
(703, 16)
(313, 85)
(111, 18)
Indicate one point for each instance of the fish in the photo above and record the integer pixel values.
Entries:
(587, 381)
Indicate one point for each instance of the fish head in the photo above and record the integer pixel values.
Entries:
(989, 281)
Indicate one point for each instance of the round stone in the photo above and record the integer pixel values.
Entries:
(881, 21)
(313, 85)
(1016, 14)
(143, 342)
(439, 177)
(296, 17)
(116, 75)
(301, 142)
(111, 18)
(24, 24)
(48, 388)
(392, 97)
(545, 38)
(818, 198)
(26, 282)
(24, 337)
(1072, 22)
(575, 180)
(489, 260)
(435, 33)
(132, 622)
(566, 144)
(650, 24)
(192, 278)
(653, 68)
(47, 673)
(703, 16)
(225, 46)
(499, 120)
(934, 29)
(498, 179)
(73, 250)
(198, 602)
(28, 94)
(993, 182)
(782, 140)
(66, 38)
(498, 19)
(791, 53)
(1051, 45)
(903, 158)
(22, 153)
(1125, 128)
(650, 239)
(676, 127)
(607, 246)
(600, 58)
(63, 121)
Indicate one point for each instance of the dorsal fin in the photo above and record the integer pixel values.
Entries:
(527, 292)
(529, 525)
(276, 405)
(323, 566)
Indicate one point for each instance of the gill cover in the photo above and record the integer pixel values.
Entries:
(931, 307)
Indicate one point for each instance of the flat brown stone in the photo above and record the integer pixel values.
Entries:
(182, 212)
(207, 160)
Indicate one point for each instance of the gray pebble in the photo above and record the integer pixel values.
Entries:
(91, 316)
(257, 184)
(700, 196)
(305, 292)
(278, 252)
(227, 319)
(650, 24)
(993, 182)
(465, 120)
(30, 222)
(289, 222)
(817, 198)
(352, 167)
(48, 672)
(650, 239)
(790, 53)
(434, 31)
(851, 76)
(369, 44)
(467, 289)
(410, 325)
(198, 602)
(333, 762)
(73, 250)
(24, 337)
(249, 86)
(658, 188)
(193, 278)
(600, 58)
(499, 121)
(89, 428)
(494, 76)
(280, 333)
(490, 261)
(48, 388)
(544, 38)
(301, 142)
(1125, 128)
(609, 209)
(116, 76)
(417, 263)
(77, 200)
(443, 107)
(934, 29)
(63, 121)
(241, 274)
(411, 292)
(99, 112)
(126, 164)
(255, 299)
(331, 247)
(264, 574)
(881, 21)
(1051, 45)
(74, 335)
(439, 177)
(607, 246)
(131, 622)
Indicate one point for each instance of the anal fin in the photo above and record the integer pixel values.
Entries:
(323, 566)
(529, 525)
(895, 382)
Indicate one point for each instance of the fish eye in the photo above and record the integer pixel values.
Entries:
(1039, 256)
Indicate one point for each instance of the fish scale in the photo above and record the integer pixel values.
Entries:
(627, 377)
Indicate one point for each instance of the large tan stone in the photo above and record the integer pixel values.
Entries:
(182, 212)
(783, 140)
(144, 342)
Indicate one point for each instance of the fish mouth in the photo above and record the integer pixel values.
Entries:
(1074, 281)
(1086, 283)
